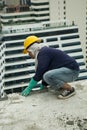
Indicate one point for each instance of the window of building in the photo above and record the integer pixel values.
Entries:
(64, 13)
(51, 39)
(13, 52)
(71, 44)
(16, 44)
(69, 37)
(64, 2)
(64, 7)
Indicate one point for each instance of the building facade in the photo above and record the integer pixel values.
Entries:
(38, 12)
(19, 68)
(16, 69)
(57, 10)
(74, 11)
(2, 67)
(86, 33)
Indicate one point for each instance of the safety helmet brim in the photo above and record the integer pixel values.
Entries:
(29, 41)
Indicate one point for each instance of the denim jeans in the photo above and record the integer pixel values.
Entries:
(56, 78)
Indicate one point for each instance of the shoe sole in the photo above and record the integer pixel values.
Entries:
(61, 97)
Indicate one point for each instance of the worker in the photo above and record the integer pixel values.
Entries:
(53, 66)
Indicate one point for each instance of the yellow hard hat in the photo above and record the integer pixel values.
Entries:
(29, 41)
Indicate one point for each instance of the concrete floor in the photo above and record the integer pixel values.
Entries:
(44, 111)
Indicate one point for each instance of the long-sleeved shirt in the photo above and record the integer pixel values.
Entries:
(50, 58)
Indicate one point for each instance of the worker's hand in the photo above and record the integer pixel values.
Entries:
(27, 90)
(41, 86)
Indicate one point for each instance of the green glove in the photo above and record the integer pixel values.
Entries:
(41, 87)
(31, 85)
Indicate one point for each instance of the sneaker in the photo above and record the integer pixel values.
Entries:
(66, 94)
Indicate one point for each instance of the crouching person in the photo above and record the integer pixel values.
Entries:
(53, 66)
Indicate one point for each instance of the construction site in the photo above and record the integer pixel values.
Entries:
(40, 110)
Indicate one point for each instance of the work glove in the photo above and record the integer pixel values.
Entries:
(41, 86)
(27, 90)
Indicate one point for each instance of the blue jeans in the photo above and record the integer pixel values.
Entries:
(56, 78)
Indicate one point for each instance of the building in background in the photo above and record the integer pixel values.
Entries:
(74, 11)
(57, 10)
(19, 68)
(86, 31)
(2, 67)
(11, 2)
(47, 19)
(38, 12)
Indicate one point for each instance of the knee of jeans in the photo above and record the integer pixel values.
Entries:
(47, 77)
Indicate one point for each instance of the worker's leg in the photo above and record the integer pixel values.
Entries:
(59, 78)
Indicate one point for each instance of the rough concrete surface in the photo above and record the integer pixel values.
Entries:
(44, 111)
